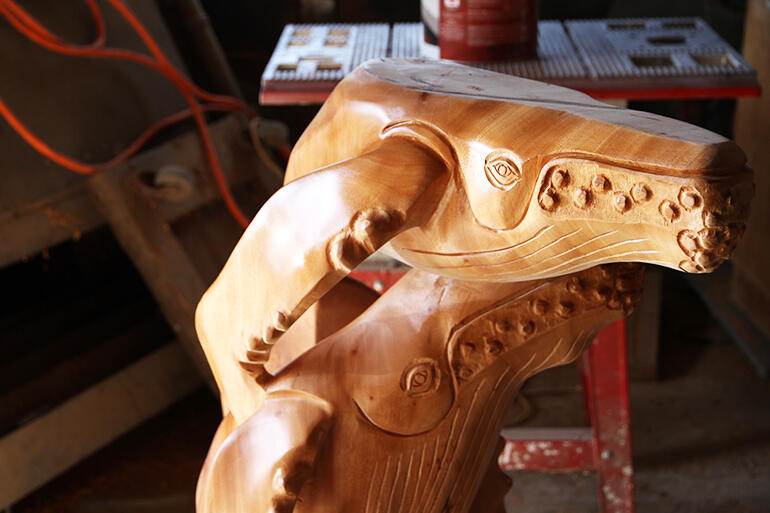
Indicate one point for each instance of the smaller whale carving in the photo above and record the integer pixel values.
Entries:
(401, 410)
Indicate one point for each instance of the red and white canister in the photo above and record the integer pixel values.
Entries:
(480, 30)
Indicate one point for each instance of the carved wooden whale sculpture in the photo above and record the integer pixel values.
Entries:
(401, 410)
(473, 175)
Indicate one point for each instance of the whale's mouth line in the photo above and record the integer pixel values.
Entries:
(537, 235)
(499, 268)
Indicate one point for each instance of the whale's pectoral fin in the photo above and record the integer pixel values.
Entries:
(303, 241)
(263, 463)
(335, 310)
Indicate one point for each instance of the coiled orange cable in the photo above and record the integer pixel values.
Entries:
(25, 24)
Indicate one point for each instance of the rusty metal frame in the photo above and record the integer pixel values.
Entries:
(141, 216)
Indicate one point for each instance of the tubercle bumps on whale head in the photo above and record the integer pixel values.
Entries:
(610, 288)
(698, 217)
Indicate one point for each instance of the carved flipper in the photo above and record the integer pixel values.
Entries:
(262, 464)
(304, 240)
(337, 308)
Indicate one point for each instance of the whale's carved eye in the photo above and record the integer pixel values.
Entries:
(501, 169)
(422, 376)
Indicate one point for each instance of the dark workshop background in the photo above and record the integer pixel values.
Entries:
(701, 421)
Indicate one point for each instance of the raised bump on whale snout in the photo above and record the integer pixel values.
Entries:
(701, 216)
(611, 290)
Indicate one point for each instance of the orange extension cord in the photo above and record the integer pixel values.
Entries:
(34, 31)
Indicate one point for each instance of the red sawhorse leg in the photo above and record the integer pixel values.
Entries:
(605, 385)
(605, 447)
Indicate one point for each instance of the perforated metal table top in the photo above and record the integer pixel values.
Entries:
(639, 58)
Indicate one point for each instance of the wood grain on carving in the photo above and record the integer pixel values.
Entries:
(473, 175)
(539, 173)
(519, 203)
(409, 406)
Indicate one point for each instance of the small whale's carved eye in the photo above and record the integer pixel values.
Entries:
(501, 169)
(422, 376)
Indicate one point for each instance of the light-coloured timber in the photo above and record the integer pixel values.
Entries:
(401, 410)
(506, 194)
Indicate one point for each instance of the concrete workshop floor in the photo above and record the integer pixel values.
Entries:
(701, 438)
(700, 434)
(701, 442)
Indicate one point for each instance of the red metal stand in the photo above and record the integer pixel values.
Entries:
(605, 447)
(605, 385)
(378, 280)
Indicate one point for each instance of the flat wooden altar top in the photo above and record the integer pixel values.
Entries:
(638, 59)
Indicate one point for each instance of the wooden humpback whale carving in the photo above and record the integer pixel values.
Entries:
(487, 182)
(401, 410)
